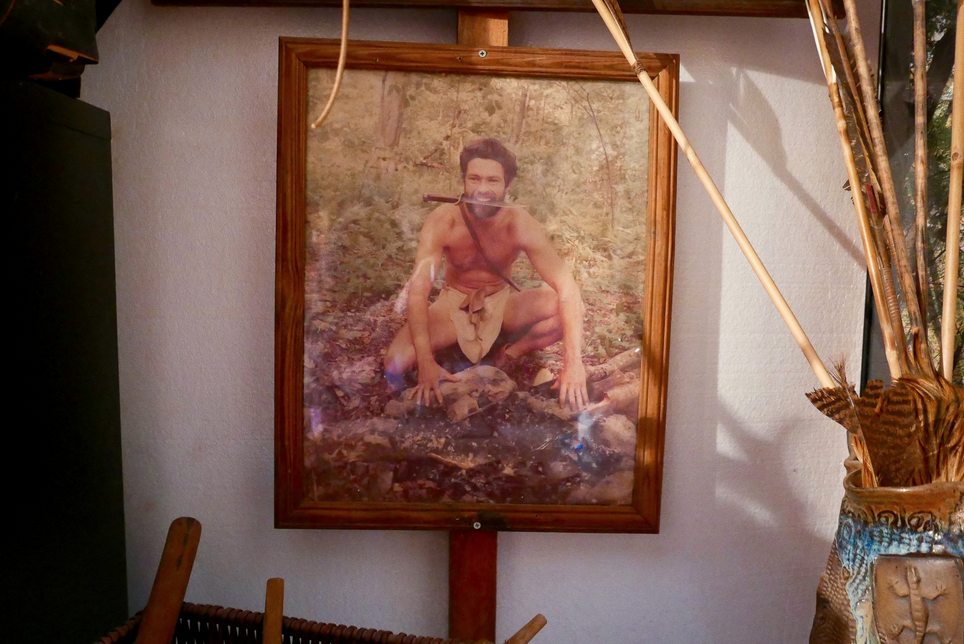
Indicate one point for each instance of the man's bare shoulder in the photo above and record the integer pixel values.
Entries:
(527, 229)
(441, 218)
(522, 216)
(439, 223)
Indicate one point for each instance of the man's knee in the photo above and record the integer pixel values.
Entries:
(551, 327)
(399, 358)
(548, 303)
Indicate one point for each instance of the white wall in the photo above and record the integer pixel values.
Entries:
(752, 471)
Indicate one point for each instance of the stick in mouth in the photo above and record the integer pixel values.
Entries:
(464, 199)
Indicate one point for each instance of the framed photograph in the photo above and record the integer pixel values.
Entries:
(474, 277)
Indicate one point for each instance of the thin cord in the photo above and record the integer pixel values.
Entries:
(340, 72)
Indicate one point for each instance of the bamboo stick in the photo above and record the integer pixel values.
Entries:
(895, 328)
(340, 71)
(952, 251)
(866, 235)
(920, 159)
(274, 600)
(617, 28)
(892, 224)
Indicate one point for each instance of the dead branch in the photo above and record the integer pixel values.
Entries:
(630, 359)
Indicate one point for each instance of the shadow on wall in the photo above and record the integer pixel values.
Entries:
(764, 134)
(768, 543)
(758, 536)
(728, 73)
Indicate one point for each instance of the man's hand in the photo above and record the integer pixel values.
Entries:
(572, 386)
(429, 377)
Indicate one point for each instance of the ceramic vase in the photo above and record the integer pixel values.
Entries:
(896, 567)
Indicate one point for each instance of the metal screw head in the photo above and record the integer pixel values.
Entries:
(477, 525)
(483, 53)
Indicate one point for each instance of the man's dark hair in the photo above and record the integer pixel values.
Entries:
(489, 149)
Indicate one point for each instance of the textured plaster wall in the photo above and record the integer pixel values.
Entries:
(752, 473)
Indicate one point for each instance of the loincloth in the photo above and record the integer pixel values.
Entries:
(477, 317)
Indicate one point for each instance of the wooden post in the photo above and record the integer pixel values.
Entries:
(473, 554)
(473, 557)
(484, 28)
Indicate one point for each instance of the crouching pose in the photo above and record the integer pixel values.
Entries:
(480, 237)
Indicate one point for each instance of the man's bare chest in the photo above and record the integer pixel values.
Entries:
(462, 253)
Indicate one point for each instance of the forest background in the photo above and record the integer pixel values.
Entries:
(582, 151)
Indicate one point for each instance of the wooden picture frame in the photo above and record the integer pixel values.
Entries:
(318, 436)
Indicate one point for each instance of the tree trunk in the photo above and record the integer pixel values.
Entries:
(520, 119)
(389, 127)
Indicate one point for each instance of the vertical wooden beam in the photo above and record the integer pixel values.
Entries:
(473, 554)
(484, 28)
(473, 557)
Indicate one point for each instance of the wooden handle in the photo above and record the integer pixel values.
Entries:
(440, 198)
(170, 583)
(274, 601)
(528, 631)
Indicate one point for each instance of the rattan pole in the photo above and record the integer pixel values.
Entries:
(866, 236)
(340, 71)
(622, 40)
(952, 250)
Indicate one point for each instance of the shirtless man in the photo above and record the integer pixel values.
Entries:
(478, 300)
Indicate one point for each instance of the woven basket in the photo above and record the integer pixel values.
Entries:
(207, 624)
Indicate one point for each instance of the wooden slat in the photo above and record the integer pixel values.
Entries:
(527, 632)
(170, 583)
(654, 372)
(289, 281)
(746, 8)
(464, 59)
(273, 609)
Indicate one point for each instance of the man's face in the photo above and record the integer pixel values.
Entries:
(484, 181)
